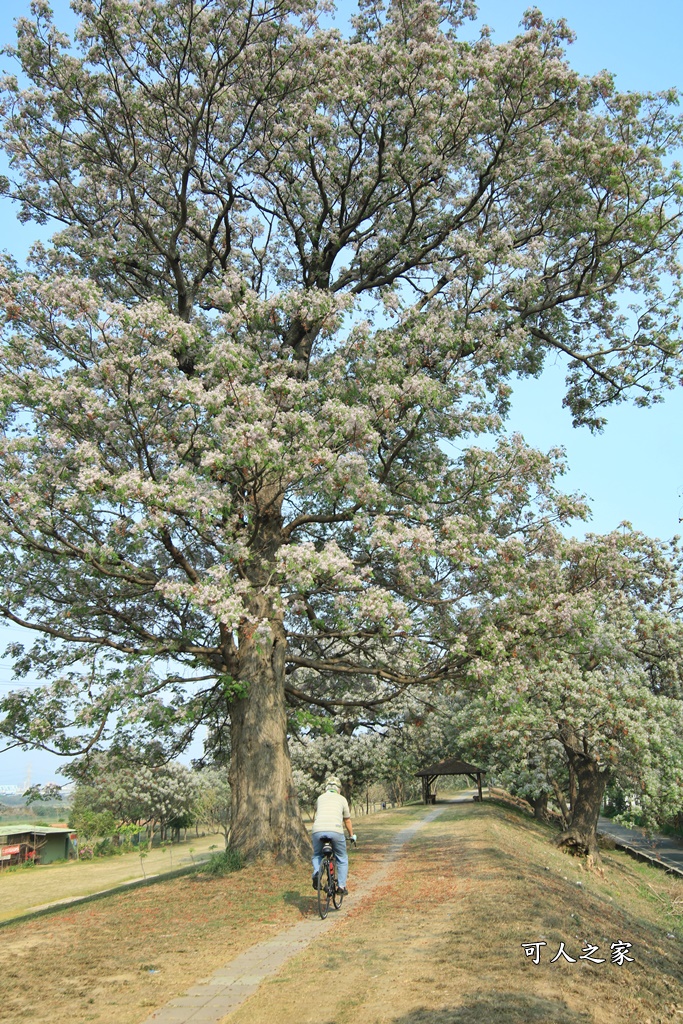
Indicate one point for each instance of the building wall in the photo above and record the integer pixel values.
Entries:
(54, 847)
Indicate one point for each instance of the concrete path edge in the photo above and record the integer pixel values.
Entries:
(73, 901)
(646, 858)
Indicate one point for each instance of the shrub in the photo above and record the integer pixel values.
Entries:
(224, 862)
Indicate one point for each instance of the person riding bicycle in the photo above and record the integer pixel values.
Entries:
(331, 815)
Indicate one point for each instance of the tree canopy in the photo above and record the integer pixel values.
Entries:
(584, 685)
(294, 276)
(130, 793)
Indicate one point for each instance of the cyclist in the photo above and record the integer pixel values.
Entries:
(331, 815)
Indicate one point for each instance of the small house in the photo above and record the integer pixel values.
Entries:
(41, 844)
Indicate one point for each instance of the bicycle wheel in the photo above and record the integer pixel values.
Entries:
(324, 888)
(336, 898)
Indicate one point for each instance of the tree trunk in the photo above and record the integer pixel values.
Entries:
(540, 805)
(581, 837)
(561, 803)
(573, 787)
(266, 820)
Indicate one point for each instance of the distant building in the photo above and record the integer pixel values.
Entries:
(10, 790)
(41, 844)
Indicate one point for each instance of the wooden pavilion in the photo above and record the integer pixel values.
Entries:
(451, 766)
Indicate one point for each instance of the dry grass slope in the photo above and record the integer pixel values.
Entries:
(441, 943)
(438, 944)
(22, 889)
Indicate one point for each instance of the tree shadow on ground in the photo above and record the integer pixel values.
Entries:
(500, 1008)
(305, 904)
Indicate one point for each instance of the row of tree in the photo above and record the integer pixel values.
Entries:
(577, 688)
(120, 796)
(577, 685)
(116, 798)
(295, 276)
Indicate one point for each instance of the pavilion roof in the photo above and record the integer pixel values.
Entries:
(451, 766)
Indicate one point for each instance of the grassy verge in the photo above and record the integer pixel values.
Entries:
(29, 887)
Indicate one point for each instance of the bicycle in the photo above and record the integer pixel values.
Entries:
(327, 880)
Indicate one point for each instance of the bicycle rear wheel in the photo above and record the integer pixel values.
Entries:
(336, 896)
(324, 888)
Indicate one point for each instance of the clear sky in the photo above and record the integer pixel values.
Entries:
(634, 469)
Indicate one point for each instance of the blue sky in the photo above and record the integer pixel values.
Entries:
(634, 469)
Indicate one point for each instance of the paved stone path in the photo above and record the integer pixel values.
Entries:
(213, 998)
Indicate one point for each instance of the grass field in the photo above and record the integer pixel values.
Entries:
(438, 943)
(34, 886)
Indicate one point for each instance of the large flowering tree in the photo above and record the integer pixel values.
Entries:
(580, 680)
(135, 794)
(293, 275)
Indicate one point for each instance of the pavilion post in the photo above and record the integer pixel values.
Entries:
(481, 795)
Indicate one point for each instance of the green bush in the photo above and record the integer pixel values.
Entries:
(22, 866)
(92, 825)
(109, 847)
(224, 862)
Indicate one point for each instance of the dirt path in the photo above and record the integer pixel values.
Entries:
(213, 998)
